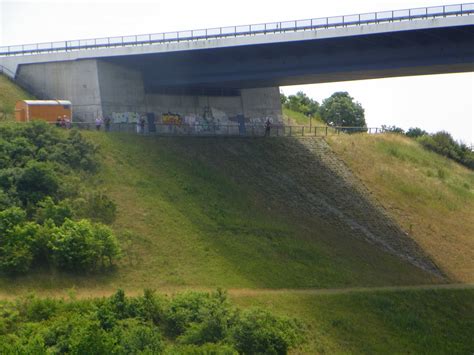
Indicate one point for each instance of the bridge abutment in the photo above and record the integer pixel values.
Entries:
(101, 88)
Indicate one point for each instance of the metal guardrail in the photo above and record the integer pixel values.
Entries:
(242, 30)
(226, 130)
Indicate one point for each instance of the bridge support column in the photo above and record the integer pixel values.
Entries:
(101, 88)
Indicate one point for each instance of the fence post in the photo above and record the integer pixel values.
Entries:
(326, 131)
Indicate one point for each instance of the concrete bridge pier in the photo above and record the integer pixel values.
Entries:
(97, 87)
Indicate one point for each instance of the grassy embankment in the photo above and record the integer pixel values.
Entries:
(430, 196)
(189, 218)
(193, 213)
(297, 118)
(403, 322)
(9, 95)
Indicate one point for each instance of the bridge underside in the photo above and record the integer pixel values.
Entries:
(404, 53)
(231, 84)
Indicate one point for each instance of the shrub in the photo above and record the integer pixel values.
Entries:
(83, 246)
(259, 332)
(415, 132)
(444, 144)
(136, 337)
(36, 182)
(57, 213)
(35, 326)
(16, 241)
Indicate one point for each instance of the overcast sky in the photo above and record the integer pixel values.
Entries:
(437, 102)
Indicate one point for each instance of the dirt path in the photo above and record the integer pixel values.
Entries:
(337, 291)
(238, 292)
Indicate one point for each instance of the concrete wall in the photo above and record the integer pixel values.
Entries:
(76, 81)
(121, 88)
(260, 104)
(100, 88)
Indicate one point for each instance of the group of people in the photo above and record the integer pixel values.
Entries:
(99, 122)
(63, 122)
(140, 124)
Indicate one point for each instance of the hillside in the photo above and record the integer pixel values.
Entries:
(9, 95)
(207, 212)
(340, 236)
(429, 196)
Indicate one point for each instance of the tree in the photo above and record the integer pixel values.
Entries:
(341, 110)
(302, 103)
(392, 129)
(415, 132)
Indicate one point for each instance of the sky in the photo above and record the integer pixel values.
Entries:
(434, 102)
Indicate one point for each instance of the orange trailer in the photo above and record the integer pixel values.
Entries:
(43, 110)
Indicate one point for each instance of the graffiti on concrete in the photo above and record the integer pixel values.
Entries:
(125, 117)
(171, 119)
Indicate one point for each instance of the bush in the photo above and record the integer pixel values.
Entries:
(259, 332)
(83, 246)
(16, 241)
(57, 213)
(444, 144)
(136, 337)
(415, 132)
(35, 326)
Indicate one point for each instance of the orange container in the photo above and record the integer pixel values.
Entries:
(43, 110)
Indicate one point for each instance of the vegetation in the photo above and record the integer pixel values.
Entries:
(440, 142)
(9, 95)
(430, 196)
(43, 203)
(192, 323)
(376, 322)
(341, 110)
(300, 103)
(203, 213)
(444, 144)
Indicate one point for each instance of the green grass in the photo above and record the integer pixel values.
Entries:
(430, 196)
(202, 213)
(297, 118)
(9, 95)
(207, 212)
(402, 322)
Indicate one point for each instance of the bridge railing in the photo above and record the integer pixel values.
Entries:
(242, 30)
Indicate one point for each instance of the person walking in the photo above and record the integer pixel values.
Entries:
(142, 125)
(268, 126)
(98, 123)
(107, 123)
(67, 122)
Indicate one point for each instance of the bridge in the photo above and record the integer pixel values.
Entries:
(232, 75)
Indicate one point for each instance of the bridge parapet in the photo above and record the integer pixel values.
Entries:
(242, 30)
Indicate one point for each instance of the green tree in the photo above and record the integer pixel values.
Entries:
(415, 132)
(302, 103)
(341, 110)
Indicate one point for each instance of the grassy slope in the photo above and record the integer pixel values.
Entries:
(430, 196)
(174, 205)
(407, 322)
(10, 94)
(192, 217)
(297, 118)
